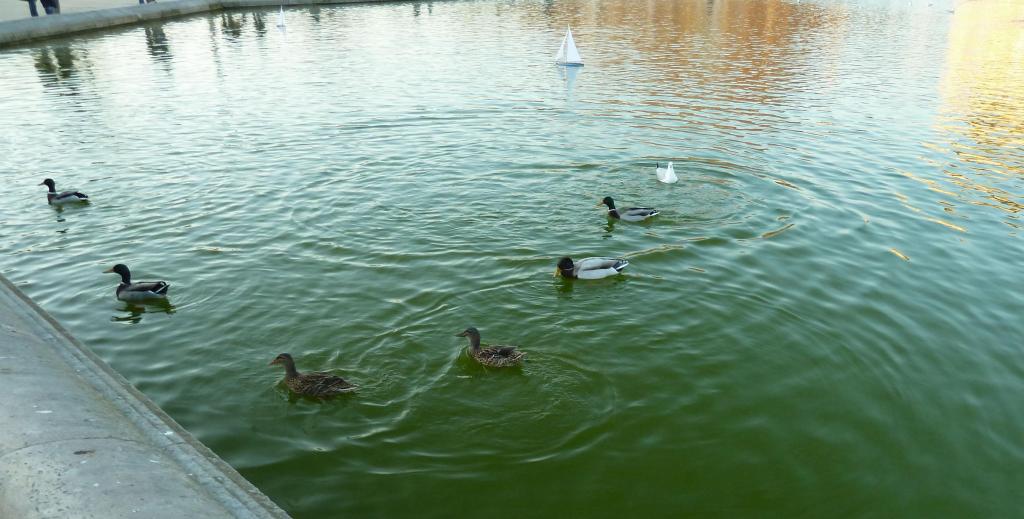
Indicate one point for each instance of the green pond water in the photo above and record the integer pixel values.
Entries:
(825, 320)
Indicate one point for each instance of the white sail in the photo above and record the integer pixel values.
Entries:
(667, 175)
(280, 17)
(568, 54)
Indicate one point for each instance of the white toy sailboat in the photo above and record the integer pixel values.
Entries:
(567, 53)
(280, 18)
(667, 175)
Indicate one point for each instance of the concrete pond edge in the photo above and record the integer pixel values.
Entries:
(25, 30)
(164, 469)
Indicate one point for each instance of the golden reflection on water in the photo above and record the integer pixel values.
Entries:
(983, 106)
(899, 254)
(784, 183)
(752, 48)
(776, 232)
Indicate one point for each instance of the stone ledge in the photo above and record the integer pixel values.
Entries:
(15, 32)
(64, 406)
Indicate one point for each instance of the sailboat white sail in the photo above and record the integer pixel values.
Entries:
(568, 54)
(280, 18)
(666, 175)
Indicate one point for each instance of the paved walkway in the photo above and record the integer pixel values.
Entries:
(17, 27)
(17, 9)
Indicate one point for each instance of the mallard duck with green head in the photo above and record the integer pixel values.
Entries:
(315, 383)
(590, 268)
(633, 214)
(139, 290)
(497, 356)
(65, 197)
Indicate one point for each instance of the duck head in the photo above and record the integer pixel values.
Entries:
(122, 270)
(283, 358)
(469, 332)
(565, 267)
(289, 364)
(49, 183)
(473, 335)
(608, 202)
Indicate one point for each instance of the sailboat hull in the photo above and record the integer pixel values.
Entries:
(570, 64)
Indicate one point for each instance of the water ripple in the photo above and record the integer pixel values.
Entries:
(823, 312)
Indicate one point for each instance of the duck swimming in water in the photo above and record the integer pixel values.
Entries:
(317, 384)
(666, 174)
(128, 291)
(633, 214)
(590, 268)
(67, 197)
(495, 356)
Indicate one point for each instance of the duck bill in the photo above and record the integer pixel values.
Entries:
(599, 204)
(275, 361)
(109, 270)
(558, 272)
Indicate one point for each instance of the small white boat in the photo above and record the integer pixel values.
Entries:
(280, 18)
(667, 175)
(567, 53)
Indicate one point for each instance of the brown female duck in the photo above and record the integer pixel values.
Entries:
(316, 384)
(497, 356)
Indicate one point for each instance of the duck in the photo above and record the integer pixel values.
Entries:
(496, 356)
(590, 268)
(633, 214)
(316, 384)
(666, 174)
(67, 197)
(128, 291)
